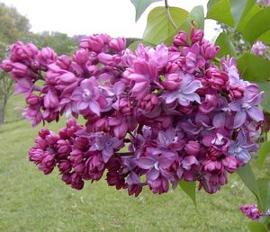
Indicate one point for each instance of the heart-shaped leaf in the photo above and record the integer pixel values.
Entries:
(161, 23)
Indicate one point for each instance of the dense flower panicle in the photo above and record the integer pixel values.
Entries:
(153, 117)
(259, 48)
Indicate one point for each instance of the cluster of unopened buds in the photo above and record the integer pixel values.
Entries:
(253, 212)
(153, 117)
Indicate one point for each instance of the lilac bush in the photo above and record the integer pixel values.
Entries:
(153, 117)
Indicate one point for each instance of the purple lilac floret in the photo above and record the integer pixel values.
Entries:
(259, 48)
(153, 117)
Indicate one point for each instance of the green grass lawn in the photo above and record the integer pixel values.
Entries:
(30, 201)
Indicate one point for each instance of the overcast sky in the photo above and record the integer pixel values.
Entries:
(115, 17)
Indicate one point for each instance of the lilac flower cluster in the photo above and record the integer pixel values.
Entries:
(259, 48)
(264, 3)
(252, 211)
(153, 117)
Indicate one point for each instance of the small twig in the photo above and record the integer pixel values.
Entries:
(169, 14)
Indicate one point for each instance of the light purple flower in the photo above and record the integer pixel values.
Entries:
(186, 92)
(107, 145)
(241, 148)
(86, 96)
(247, 106)
(259, 48)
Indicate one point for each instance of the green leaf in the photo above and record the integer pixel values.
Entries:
(248, 178)
(265, 37)
(220, 10)
(141, 6)
(196, 16)
(237, 9)
(159, 27)
(190, 189)
(262, 154)
(254, 68)
(256, 227)
(226, 45)
(251, 9)
(265, 86)
(257, 25)
(264, 188)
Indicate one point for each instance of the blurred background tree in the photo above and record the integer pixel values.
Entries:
(13, 27)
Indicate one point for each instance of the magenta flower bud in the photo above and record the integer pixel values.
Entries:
(118, 44)
(76, 181)
(196, 35)
(46, 56)
(47, 164)
(20, 70)
(114, 179)
(172, 82)
(159, 185)
(95, 43)
(236, 92)
(181, 39)
(81, 143)
(217, 78)
(106, 58)
(209, 51)
(230, 163)
(64, 166)
(33, 100)
(211, 166)
(51, 100)
(63, 146)
(52, 139)
(67, 178)
(81, 56)
(63, 62)
(6, 65)
(20, 52)
(43, 133)
(192, 148)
